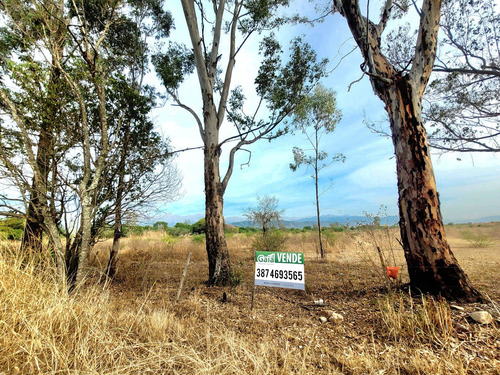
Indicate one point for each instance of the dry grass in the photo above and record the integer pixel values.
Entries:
(133, 325)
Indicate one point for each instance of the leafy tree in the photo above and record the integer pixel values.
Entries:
(316, 116)
(265, 214)
(431, 264)
(280, 86)
(160, 225)
(199, 227)
(100, 154)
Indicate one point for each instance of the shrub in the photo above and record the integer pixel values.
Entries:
(476, 239)
(198, 227)
(11, 228)
(274, 240)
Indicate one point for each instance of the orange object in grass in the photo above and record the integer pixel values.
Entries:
(392, 272)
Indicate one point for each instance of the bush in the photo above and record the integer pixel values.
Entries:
(274, 240)
(133, 230)
(11, 228)
(477, 240)
(198, 227)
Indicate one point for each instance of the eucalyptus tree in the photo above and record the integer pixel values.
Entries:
(36, 105)
(316, 116)
(91, 73)
(431, 264)
(218, 32)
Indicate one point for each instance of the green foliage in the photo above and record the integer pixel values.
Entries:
(236, 278)
(174, 65)
(198, 227)
(285, 86)
(11, 229)
(315, 116)
(179, 229)
(273, 240)
(107, 233)
(335, 228)
(160, 225)
(169, 239)
(135, 230)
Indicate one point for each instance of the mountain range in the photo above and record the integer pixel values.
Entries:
(326, 220)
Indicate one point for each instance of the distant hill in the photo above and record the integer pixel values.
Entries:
(485, 219)
(326, 220)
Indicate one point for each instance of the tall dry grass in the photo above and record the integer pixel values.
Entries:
(43, 330)
(133, 325)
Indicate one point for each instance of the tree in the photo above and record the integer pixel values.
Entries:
(265, 213)
(319, 112)
(107, 154)
(431, 264)
(280, 86)
(30, 86)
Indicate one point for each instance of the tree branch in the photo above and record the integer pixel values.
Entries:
(425, 50)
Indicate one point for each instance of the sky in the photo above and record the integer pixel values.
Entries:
(469, 188)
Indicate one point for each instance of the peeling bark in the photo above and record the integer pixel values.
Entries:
(219, 265)
(431, 264)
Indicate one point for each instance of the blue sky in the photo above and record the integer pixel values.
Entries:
(469, 188)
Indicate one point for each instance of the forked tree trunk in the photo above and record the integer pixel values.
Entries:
(219, 265)
(431, 264)
(118, 227)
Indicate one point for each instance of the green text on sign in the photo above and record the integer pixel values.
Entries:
(279, 257)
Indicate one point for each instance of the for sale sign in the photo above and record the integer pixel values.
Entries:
(278, 269)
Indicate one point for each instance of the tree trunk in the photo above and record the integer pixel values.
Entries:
(85, 246)
(431, 264)
(117, 235)
(316, 149)
(219, 265)
(432, 267)
(33, 229)
(320, 237)
(118, 232)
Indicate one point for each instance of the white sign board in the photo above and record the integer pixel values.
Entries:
(279, 269)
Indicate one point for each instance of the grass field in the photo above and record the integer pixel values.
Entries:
(134, 326)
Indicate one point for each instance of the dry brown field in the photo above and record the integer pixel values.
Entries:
(133, 325)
